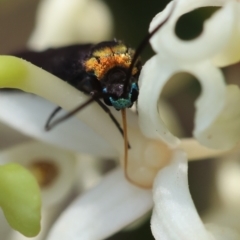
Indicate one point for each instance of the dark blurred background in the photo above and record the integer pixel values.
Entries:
(131, 20)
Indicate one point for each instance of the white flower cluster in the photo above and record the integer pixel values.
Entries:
(115, 203)
(217, 122)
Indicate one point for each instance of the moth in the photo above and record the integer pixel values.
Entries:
(107, 71)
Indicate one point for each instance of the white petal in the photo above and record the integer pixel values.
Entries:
(28, 114)
(175, 216)
(230, 53)
(10, 136)
(106, 209)
(224, 131)
(88, 172)
(61, 22)
(154, 75)
(28, 154)
(156, 72)
(5, 229)
(170, 118)
(220, 43)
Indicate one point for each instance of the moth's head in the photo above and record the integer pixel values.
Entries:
(110, 62)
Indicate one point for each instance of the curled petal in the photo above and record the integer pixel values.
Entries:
(107, 214)
(61, 22)
(156, 72)
(174, 215)
(230, 53)
(151, 81)
(219, 44)
(224, 131)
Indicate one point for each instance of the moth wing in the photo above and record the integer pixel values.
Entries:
(63, 62)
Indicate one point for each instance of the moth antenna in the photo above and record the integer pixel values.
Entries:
(95, 97)
(143, 44)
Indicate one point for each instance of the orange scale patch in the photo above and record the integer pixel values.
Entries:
(104, 63)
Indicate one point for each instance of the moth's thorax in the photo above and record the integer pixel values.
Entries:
(104, 58)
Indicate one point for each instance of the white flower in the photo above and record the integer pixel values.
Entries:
(147, 149)
(115, 203)
(217, 114)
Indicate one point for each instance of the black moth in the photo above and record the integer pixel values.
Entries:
(107, 70)
(99, 70)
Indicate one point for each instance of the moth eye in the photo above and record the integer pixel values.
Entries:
(107, 101)
(104, 90)
(116, 75)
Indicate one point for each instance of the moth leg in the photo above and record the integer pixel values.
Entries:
(53, 114)
(107, 110)
(66, 116)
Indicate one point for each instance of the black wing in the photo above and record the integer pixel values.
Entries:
(67, 63)
(64, 62)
